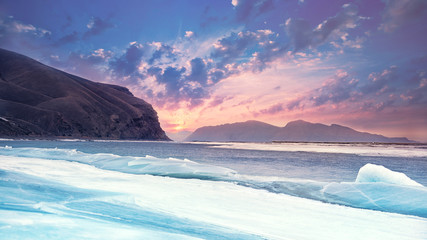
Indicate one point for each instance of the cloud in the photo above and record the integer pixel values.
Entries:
(207, 19)
(380, 82)
(337, 89)
(91, 66)
(19, 36)
(303, 36)
(392, 88)
(300, 33)
(163, 54)
(96, 26)
(218, 101)
(69, 38)
(238, 46)
(269, 51)
(228, 49)
(198, 71)
(417, 95)
(162, 72)
(181, 78)
(276, 108)
(217, 75)
(172, 78)
(398, 13)
(248, 9)
(127, 64)
(295, 104)
(189, 34)
(178, 87)
(68, 23)
(9, 26)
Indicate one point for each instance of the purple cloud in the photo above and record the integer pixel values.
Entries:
(85, 65)
(228, 49)
(178, 87)
(269, 51)
(295, 104)
(276, 108)
(303, 36)
(69, 38)
(97, 26)
(401, 12)
(238, 49)
(248, 9)
(127, 64)
(15, 34)
(69, 21)
(380, 82)
(163, 51)
(198, 71)
(337, 89)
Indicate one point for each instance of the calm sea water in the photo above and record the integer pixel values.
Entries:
(321, 166)
(167, 190)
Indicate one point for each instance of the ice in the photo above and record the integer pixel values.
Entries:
(30, 225)
(375, 173)
(376, 188)
(411, 200)
(201, 209)
(362, 149)
(183, 168)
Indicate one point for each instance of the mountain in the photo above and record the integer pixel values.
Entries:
(302, 131)
(40, 101)
(296, 131)
(249, 131)
(178, 136)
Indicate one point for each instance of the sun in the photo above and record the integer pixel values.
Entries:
(178, 128)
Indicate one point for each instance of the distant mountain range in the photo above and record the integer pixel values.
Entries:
(296, 131)
(40, 101)
(179, 136)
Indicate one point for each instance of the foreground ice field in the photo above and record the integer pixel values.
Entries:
(98, 196)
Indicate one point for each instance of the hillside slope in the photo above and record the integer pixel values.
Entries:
(40, 101)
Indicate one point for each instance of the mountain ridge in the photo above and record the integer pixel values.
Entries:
(40, 101)
(294, 131)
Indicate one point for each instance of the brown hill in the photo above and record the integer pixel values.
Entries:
(39, 101)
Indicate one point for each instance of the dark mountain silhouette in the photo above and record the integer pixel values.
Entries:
(40, 101)
(250, 131)
(296, 131)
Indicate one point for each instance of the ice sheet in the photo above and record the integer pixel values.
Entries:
(376, 187)
(222, 205)
(183, 168)
(391, 150)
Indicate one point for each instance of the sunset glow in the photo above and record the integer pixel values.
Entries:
(357, 63)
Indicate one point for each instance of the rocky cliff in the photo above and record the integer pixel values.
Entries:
(40, 101)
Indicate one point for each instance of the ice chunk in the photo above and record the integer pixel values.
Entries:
(376, 173)
(173, 167)
(377, 188)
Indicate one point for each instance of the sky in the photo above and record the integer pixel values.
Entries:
(358, 63)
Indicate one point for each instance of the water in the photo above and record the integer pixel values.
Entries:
(164, 190)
